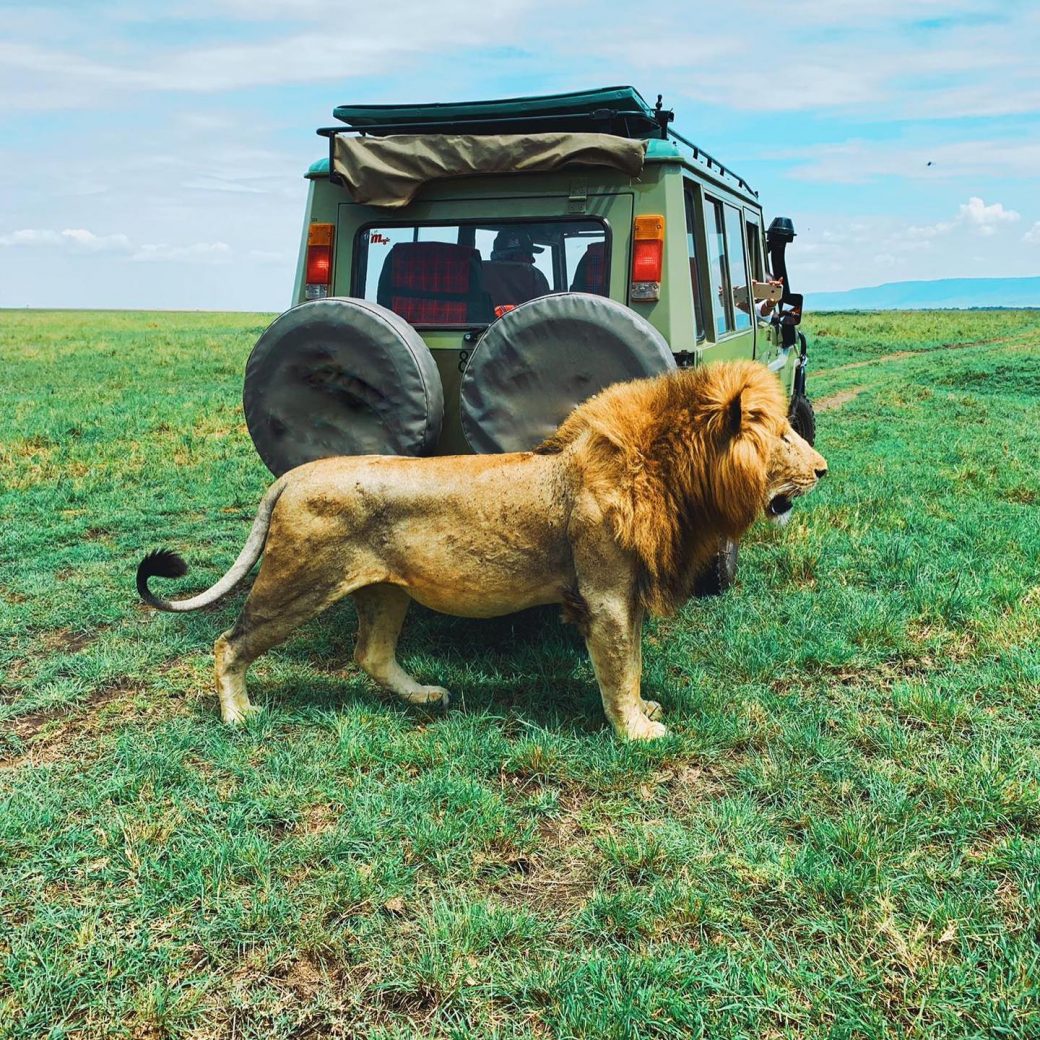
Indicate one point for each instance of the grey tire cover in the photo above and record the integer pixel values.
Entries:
(538, 362)
(341, 377)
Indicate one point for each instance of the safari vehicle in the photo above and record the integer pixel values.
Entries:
(469, 273)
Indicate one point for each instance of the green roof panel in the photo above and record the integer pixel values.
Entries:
(318, 168)
(662, 150)
(618, 110)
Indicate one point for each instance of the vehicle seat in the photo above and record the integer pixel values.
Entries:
(434, 283)
(590, 274)
(511, 281)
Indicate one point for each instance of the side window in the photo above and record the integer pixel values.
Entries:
(696, 280)
(738, 276)
(466, 274)
(718, 269)
(754, 246)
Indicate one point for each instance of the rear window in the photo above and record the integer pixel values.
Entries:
(467, 274)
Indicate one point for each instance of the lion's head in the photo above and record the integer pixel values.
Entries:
(795, 468)
(682, 460)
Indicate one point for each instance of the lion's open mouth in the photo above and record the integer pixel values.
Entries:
(780, 505)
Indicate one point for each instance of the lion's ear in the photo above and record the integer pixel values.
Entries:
(724, 418)
(735, 415)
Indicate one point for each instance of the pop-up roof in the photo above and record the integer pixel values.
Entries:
(612, 110)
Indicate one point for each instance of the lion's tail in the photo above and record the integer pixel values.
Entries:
(163, 563)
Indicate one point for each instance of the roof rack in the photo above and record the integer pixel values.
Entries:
(621, 111)
(711, 162)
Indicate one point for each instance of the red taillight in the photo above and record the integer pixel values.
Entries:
(647, 258)
(319, 264)
(319, 261)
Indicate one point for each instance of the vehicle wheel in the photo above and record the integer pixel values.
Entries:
(803, 418)
(539, 361)
(341, 377)
(720, 573)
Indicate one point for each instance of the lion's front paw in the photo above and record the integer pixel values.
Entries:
(652, 709)
(428, 696)
(234, 715)
(642, 728)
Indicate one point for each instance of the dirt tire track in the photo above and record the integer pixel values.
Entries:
(835, 401)
(900, 355)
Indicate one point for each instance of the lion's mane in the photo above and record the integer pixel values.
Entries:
(677, 462)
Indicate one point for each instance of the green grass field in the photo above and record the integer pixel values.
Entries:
(841, 838)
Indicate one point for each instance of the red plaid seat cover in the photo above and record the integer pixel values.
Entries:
(589, 275)
(431, 283)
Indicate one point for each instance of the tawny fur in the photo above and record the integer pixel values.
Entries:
(674, 469)
(611, 517)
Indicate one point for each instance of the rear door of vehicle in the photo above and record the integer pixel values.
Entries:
(362, 230)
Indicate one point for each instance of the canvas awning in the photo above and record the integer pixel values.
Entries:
(389, 171)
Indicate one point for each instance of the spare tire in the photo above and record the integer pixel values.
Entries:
(341, 377)
(539, 361)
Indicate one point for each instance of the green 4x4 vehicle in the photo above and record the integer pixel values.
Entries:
(469, 273)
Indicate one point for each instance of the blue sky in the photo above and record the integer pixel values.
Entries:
(151, 155)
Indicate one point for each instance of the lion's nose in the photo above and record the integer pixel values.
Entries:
(821, 473)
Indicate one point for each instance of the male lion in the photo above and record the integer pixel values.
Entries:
(611, 517)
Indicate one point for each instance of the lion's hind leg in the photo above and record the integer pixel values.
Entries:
(231, 680)
(284, 596)
(381, 610)
(257, 631)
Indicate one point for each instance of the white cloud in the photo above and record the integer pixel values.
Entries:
(847, 253)
(924, 234)
(857, 161)
(888, 61)
(974, 214)
(198, 252)
(92, 243)
(80, 240)
(31, 237)
(856, 13)
(894, 60)
(185, 156)
(76, 238)
(392, 37)
(986, 219)
(220, 184)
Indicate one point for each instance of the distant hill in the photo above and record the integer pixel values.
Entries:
(945, 292)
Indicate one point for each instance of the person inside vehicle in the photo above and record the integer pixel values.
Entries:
(763, 305)
(510, 275)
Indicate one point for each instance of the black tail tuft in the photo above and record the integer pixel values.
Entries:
(161, 563)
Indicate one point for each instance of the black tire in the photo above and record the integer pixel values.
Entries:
(803, 418)
(537, 363)
(720, 573)
(341, 377)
